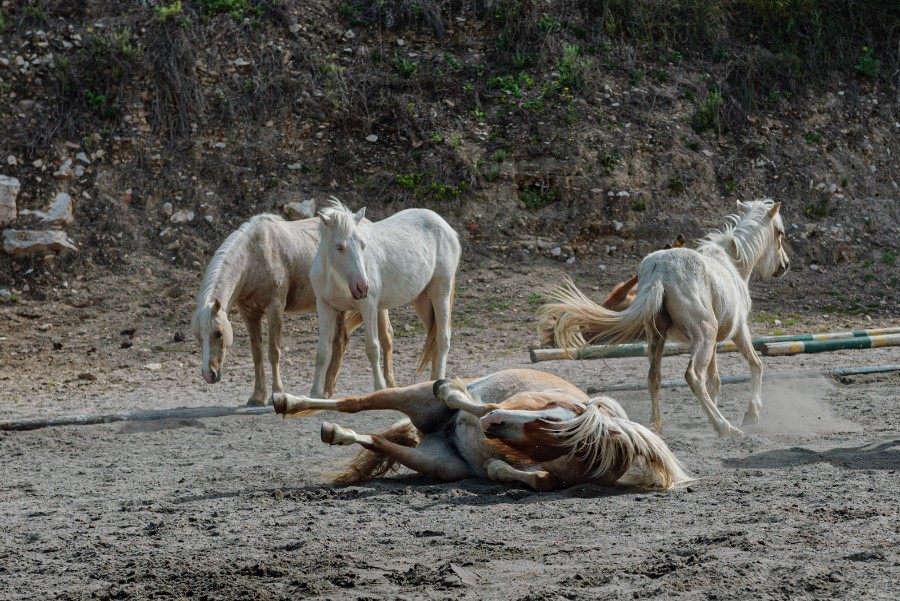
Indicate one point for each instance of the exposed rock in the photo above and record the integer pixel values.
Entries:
(25, 242)
(60, 210)
(300, 210)
(182, 216)
(9, 190)
(167, 209)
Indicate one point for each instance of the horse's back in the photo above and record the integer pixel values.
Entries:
(501, 385)
(424, 223)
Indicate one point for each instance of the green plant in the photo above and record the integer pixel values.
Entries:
(868, 65)
(437, 136)
(819, 210)
(888, 256)
(636, 76)
(406, 68)
(478, 114)
(548, 24)
(2, 23)
(639, 204)
(812, 137)
(537, 197)
(238, 9)
(660, 75)
(452, 63)
(572, 68)
(520, 60)
(707, 116)
(501, 154)
(492, 173)
(730, 184)
(35, 13)
(409, 181)
(165, 12)
(535, 299)
(676, 186)
(609, 160)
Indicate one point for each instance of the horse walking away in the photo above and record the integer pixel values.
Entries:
(517, 425)
(411, 256)
(620, 298)
(262, 268)
(701, 296)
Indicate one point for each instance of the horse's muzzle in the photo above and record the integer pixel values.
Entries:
(359, 290)
(782, 269)
(211, 376)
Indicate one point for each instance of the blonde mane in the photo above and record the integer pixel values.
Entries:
(214, 269)
(747, 237)
(340, 216)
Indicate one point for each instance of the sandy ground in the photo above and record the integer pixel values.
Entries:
(804, 507)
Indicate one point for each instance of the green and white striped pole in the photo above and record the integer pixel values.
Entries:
(821, 346)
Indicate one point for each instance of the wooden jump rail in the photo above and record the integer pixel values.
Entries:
(836, 372)
(821, 346)
(834, 340)
(132, 416)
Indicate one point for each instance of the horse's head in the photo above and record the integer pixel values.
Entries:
(773, 261)
(344, 246)
(213, 331)
(527, 422)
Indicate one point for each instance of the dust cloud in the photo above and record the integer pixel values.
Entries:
(799, 406)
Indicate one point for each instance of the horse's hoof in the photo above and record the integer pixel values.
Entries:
(438, 384)
(750, 419)
(327, 432)
(733, 432)
(279, 402)
(256, 403)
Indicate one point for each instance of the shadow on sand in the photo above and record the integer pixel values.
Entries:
(875, 456)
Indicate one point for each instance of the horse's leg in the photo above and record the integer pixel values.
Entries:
(703, 346)
(744, 342)
(713, 382)
(432, 457)
(254, 330)
(458, 397)
(369, 312)
(417, 402)
(656, 344)
(441, 294)
(386, 337)
(500, 471)
(275, 319)
(339, 347)
(327, 325)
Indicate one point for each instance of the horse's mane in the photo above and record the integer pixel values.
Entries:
(588, 435)
(340, 217)
(748, 233)
(214, 269)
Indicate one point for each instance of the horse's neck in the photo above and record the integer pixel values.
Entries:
(724, 252)
(226, 281)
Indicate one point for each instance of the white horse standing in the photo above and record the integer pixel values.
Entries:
(371, 267)
(262, 268)
(699, 295)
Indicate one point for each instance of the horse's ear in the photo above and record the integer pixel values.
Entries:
(741, 206)
(325, 219)
(360, 214)
(732, 247)
(217, 306)
(774, 210)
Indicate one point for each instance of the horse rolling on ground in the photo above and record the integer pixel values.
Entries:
(701, 296)
(372, 267)
(262, 268)
(518, 425)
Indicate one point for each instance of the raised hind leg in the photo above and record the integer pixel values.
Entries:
(253, 322)
(456, 396)
(433, 457)
(703, 346)
(417, 402)
(656, 344)
(386, 337)
(744, 343)
(500, 471)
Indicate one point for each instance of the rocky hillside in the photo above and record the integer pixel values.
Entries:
(569, 130)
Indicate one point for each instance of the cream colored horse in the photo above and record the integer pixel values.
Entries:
(411, 256)
(262, 268)
(518, 425)
(701, 296)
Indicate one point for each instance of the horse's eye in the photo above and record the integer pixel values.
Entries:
(218, 335)
(362, 245)
(340, 248)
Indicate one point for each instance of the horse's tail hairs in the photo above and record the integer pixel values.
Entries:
(429, 350)
(578, 319)
(369, 465)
